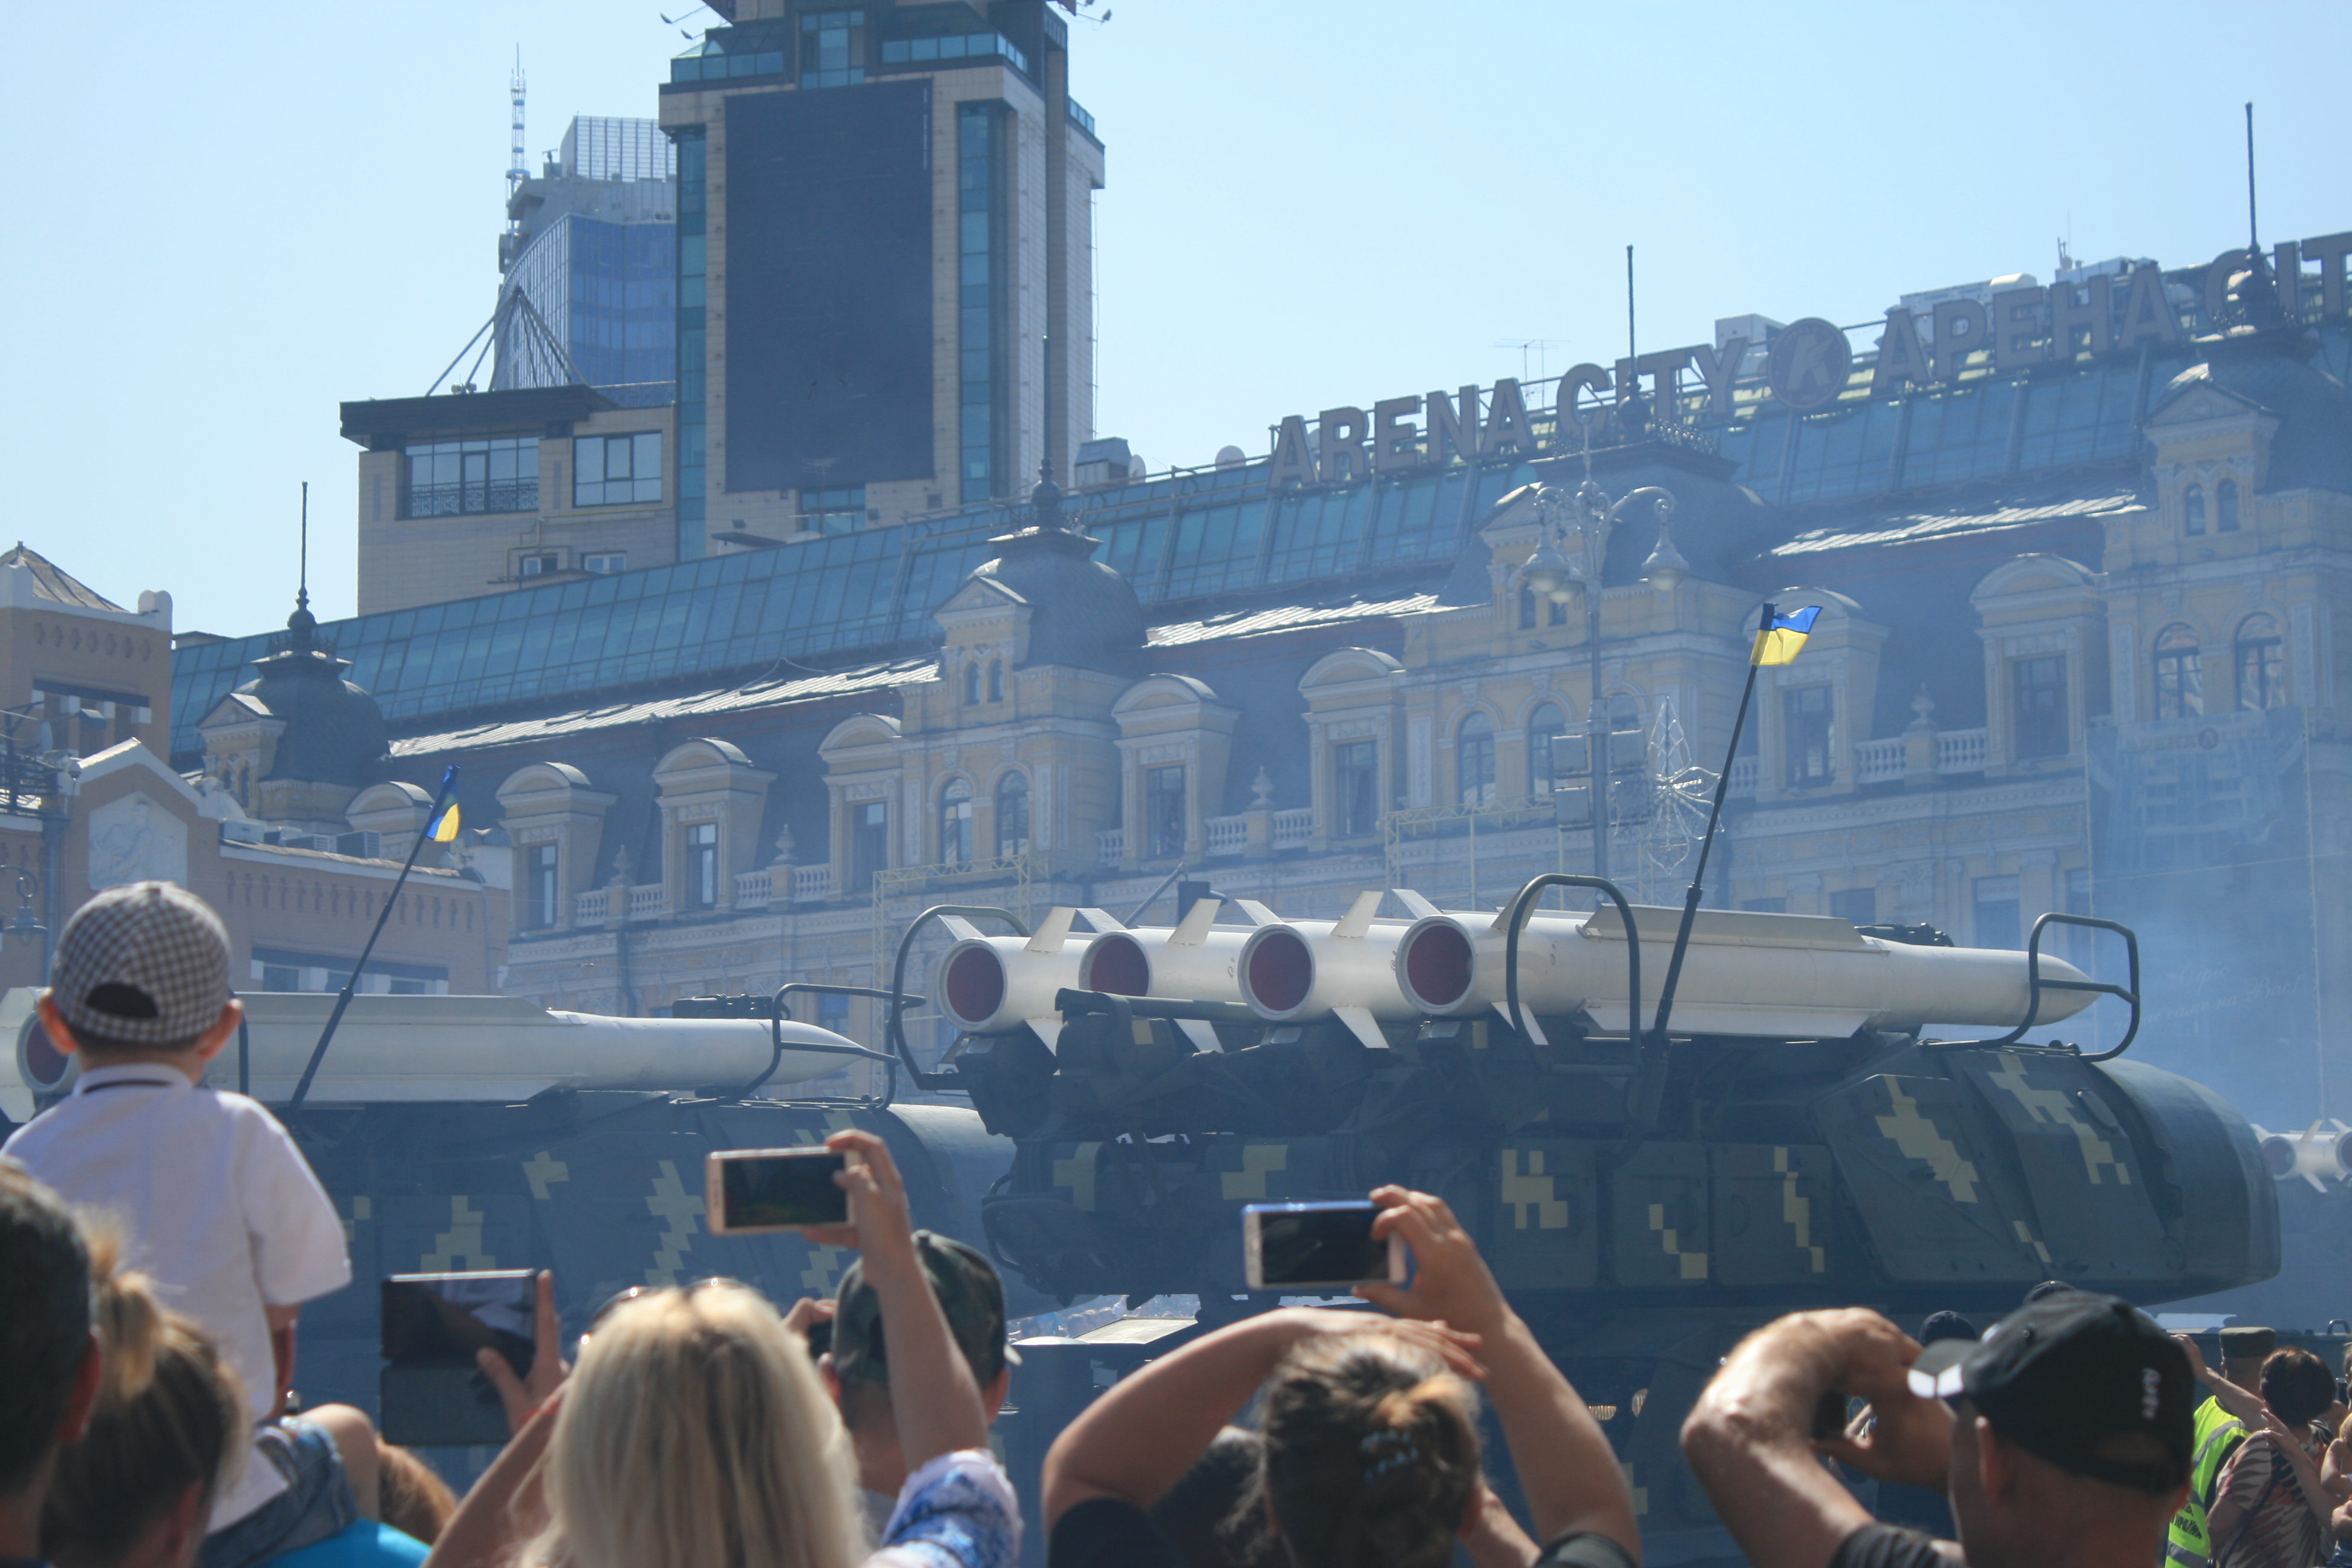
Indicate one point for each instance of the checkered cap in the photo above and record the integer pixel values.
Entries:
(145, 964)
(971, 1297)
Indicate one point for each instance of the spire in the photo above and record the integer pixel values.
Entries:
(2253, 304)
(1046, 498)
(302, 626)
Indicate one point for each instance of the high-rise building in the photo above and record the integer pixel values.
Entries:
(592, 244)
(884, 244)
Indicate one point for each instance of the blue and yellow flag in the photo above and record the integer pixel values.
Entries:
(444, 827)
(1781, 637)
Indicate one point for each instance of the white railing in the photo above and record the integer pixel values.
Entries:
(588, 908)
(1293, 829)
(1743, 775)
(1110, 845)
(811, 884)
(646, 901)
(751, 890)
(1880, 762)
(1960, 751)
(1227, 834)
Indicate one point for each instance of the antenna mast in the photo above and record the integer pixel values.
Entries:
(516, 171)
(302, 587)
(2252, 244)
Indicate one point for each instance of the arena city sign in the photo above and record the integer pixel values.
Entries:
(1807, 368)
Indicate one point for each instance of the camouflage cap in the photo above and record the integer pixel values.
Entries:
(970, 1294)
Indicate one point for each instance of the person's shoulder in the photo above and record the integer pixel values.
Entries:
(1109, 1532)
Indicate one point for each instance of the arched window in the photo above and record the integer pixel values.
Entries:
(955, 823)
(996, 681)
(1474, 761)
(970, 683)
(1544, 723)
(1557, 616)
(2262, 663)
(2192, 509)
(2225, 506)
(1012, 817)
(1527, 609)
(2179, 673)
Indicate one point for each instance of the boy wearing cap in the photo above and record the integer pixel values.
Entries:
(857, 1368)
(225, 1212)
(2063, 1438)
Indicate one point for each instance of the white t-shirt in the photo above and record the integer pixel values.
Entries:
(221, 1209)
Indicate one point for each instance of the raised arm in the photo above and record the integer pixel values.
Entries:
(1138, 1439)
(1566, 1468)
(1749, 1437)
(933, 1395)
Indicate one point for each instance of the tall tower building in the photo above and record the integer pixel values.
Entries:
(884, 247)
(593, 243)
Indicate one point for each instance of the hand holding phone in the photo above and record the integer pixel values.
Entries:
(755, 1191)
(432, 1390)
(1312, 1248)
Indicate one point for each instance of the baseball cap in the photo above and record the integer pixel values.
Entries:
(970, 1296)
(2248, 1344)
(2074, 1378)
(145, 964)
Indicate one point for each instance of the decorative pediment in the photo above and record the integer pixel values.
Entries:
(1350, 667)
(2201, 402)
(2033, 576)
(860, 730)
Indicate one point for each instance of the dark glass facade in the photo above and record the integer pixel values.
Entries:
(693, 268)
(980, 134)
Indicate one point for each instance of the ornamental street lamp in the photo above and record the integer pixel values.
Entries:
(1584, 520)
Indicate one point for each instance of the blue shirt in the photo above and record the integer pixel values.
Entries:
(365, 1544)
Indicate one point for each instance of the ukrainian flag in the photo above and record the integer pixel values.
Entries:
(443, 828)
(1778, 643)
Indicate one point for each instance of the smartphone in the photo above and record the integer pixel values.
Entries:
(748, 1191)
(1317, 1247)
(430, 1392)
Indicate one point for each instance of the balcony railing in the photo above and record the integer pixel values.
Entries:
(1227, 834)
(1293, 829)
(646, 902)
(811, 884)
(1743, 775)
(588, 908)
(1880, 762)
(751, 890)
(1110, 845)
(1960, 751)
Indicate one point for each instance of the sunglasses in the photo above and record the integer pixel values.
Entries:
(620, 1298)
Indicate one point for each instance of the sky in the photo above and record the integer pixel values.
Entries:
(230, 220)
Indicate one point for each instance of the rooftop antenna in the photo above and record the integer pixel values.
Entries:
(1631, 352)
(2253, 244)
(302, 585)
(516, 171)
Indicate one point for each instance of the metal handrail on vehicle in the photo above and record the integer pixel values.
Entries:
(2036, 985)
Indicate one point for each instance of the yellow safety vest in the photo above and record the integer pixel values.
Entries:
(2219, 1433)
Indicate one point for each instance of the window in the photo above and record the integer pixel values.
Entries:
(841, 511)
(982, 373)
(1356, 786)
(1806, 732)
(869, 842)
(1163, 810)
(2225, 506)
(1546, 722)
(541, 886)
(833, 1013)
(1557, 616)
(447, 479)
(2192, 509)
(955, 824)
(1012, 817)
(702, 866)
(608, 470)
(996, 683)
(1527, 609)
(2179, 676)
(541, 564)
(833, 48)
(1996, 912)
(277, 969)
(606, 563)
(2038, 706)
(970, 683)
(1474, 761)
(1555, 613)
(1859, 905)
(2262, 663)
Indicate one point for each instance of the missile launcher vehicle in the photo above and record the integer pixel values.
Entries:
(1794, 1136)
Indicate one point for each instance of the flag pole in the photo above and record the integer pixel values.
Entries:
(319, 1051)
(1714, 816)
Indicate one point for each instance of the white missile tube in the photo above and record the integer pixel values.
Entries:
(989, 985)
(1769, 975)
(497, 1048)
(1194, 960)
(1344, 969)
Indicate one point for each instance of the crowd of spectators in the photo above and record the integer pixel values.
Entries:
(700, 1427)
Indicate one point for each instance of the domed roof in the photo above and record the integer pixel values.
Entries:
(2270, 367)
(1081, 612)
(334, 731)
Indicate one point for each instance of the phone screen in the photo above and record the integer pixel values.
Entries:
(430, 1392)
(1318, 1244)
(780, 1190)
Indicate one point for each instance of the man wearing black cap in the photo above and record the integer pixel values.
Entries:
(2063, 1436)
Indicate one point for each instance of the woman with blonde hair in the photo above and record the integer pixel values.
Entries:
(695, 1432)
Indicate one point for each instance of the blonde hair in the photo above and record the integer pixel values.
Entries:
(695, 1434)
(170, 1414)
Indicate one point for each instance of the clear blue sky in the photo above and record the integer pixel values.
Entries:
(228, 218)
